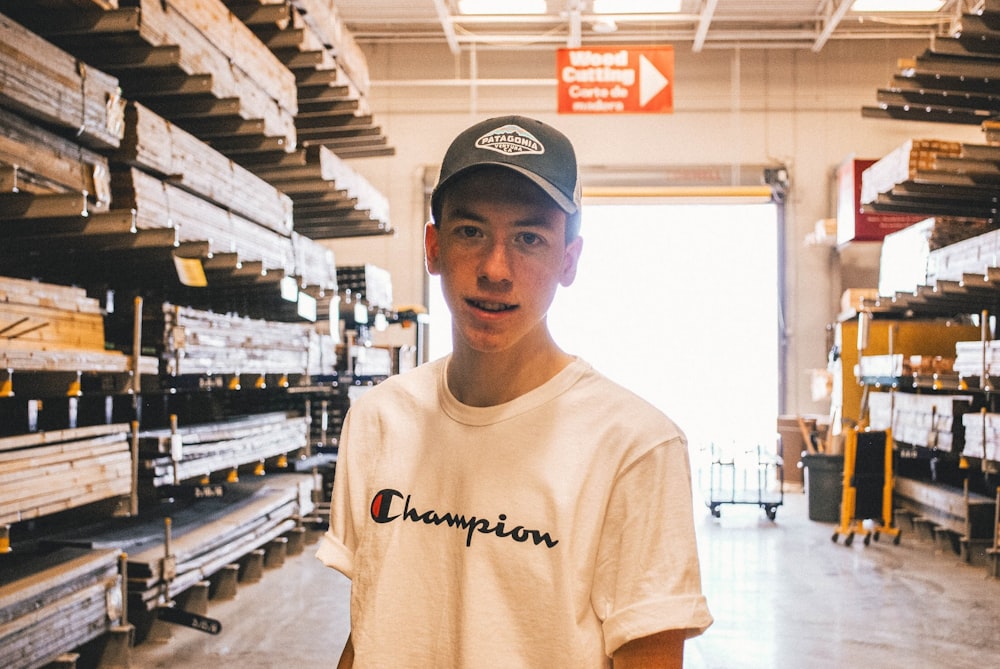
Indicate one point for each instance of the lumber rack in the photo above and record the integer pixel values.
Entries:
(954, 517)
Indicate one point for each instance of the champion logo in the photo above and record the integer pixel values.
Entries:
(510, 140)
(384, 509)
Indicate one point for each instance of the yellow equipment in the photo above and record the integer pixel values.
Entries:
(866, 502)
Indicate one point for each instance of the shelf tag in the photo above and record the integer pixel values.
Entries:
(190, 272)
(181, 617)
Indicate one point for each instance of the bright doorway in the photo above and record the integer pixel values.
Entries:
(680, 303)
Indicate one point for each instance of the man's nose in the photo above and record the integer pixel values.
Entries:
(495, 265)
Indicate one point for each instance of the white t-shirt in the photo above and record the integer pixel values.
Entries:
(544, 532)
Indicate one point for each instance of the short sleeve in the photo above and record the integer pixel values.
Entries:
(648, 578)
(336, 546)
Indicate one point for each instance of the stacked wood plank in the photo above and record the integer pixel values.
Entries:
(160, 204)
(47, 472)
(314, 262)
(947, 230)
(218, 32)
(331, 200)
(47, 315)
(220, 446)
(982, 436)
(39, 161)
(239, 246)
(162, 148)
(903, 163)
(325, 23)
(969, 357)
(47, 84)
(952, 81)
(962, 185)
(180, 49)
(323, 354)
(975, 255)
(367, 282)
(56, 602)
(928, 421)
(199, 189)
(46, 327)
(202, 342)
(206, 534)
(316, 183)
(331, 72)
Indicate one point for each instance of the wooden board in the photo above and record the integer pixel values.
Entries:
(41, 480)
(157, 145)
(46, 162)
(51, 603)
(71, 360)
(201, 342)
(318, 170)
(47, 327)
(190, 48)
(323, 19)
(45, 83)
(159, 204)
(903, 163)
(38, 316)
(206, 458)
(219, 32)
(206, 534)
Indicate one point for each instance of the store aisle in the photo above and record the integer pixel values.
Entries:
(784, 597)
(295, 617)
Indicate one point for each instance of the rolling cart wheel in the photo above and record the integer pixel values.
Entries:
(771, 512)
(716, 511)
(875, 535)
(835, 537)
(895, 539)
(868, 539)
(850, 539)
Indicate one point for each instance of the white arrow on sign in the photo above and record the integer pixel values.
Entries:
(651, 81)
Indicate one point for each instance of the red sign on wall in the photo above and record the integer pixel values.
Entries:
(616, 80)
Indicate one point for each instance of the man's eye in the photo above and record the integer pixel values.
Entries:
(468, 231)
(530, 238)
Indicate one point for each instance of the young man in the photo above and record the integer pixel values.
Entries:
(508, 506)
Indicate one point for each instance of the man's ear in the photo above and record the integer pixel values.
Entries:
(571, 260)
(431, 248)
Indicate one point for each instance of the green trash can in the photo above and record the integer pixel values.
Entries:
(824, 485)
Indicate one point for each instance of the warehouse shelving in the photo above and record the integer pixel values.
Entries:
(944, 484)
(166, 161)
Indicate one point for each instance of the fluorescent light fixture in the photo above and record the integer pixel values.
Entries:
(501, 7)
(897, 5)
(637, 6)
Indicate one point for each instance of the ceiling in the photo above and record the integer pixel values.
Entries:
(704, 24)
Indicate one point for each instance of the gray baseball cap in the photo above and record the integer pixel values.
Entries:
(530, 147)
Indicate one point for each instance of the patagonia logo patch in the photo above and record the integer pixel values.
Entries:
(510, 140)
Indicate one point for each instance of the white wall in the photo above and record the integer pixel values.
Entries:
(748, 106)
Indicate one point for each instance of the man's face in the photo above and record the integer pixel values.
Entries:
(501, 252)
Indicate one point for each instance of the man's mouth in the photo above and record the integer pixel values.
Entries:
(495, 307)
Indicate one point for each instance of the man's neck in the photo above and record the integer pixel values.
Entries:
(488, 379)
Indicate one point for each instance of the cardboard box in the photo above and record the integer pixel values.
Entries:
(854, 221)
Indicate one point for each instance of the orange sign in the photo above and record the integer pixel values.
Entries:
(615, 80)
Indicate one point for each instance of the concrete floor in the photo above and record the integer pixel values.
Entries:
(783, 595)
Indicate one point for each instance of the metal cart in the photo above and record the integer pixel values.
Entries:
(745, 475)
